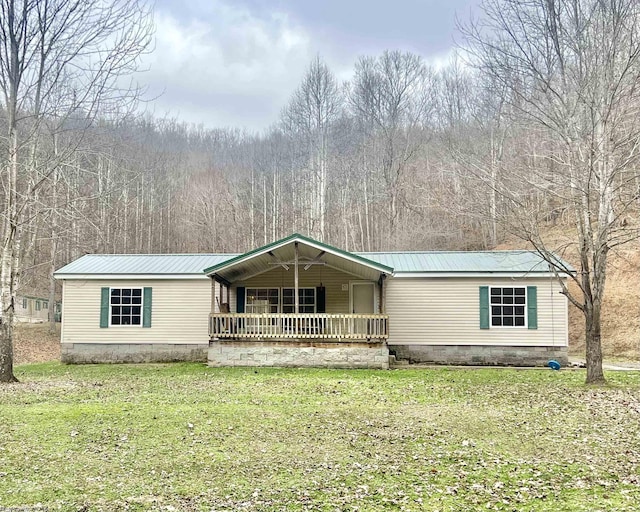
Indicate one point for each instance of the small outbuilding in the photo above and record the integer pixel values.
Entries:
(32, 309)
(300, 302)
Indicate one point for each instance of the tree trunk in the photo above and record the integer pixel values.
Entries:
(6, 353)
(7, 317)
(264, 210)
(7, 275)
(593, 345)
(52, 284)
(274, 206)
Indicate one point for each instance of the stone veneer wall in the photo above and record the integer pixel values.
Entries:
(132, 352)
(480, 354)
(303, 353)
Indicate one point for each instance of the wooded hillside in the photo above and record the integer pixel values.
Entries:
(381, 163)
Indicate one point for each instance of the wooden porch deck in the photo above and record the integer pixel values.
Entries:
(283, 326)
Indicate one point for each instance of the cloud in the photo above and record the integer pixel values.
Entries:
(222, 65)
(236, 62)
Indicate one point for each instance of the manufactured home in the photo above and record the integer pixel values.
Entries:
(31, 309)
(300, 302)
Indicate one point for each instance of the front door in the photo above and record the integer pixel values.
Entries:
(362, 298)
(361, 304)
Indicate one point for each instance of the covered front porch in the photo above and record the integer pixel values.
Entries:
(297, 294)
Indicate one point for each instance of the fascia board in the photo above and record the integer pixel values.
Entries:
(515, 275)
(128, 276)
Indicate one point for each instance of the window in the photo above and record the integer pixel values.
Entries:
(45, 304)
(25, 303)
(126, 306)
(508, 306)
(306, 300)
(38, 305)
(276, 300)
(262, 300)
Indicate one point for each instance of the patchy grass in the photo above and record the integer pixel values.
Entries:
(187, 437)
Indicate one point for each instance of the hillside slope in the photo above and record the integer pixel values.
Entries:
(621, 308)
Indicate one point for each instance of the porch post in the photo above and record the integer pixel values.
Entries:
(213, 295)
(295, 279)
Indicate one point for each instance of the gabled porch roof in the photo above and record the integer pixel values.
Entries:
(282, 253)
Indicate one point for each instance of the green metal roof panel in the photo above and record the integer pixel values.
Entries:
(398, 262)
(143, 264)
(462, 261)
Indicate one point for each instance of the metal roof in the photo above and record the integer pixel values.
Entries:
(362, 263)
(142, 264)
(462, 261)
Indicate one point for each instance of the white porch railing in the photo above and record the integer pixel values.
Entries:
(302, 325)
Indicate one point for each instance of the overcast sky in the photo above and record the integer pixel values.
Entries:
(234, 63)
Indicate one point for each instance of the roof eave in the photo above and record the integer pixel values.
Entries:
(481, 274)
(298, 238)
(88, 276)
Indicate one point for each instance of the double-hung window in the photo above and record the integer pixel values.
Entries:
(125, 305)
(262, 300)
(306, 300)
(508, 306)
(279, 300)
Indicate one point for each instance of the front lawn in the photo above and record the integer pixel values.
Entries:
(186, 437)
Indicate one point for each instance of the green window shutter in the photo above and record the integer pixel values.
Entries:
(321, 299)
(104, 307)
(532, 307)
(484, 307)
(146, 307)
(240, 294)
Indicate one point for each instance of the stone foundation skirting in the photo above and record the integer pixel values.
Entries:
(300, 354)
(132, 352)
(489, 355)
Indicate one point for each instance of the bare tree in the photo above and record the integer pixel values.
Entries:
(571, 70)
(393, 97)
(315, 106)
(63, 63)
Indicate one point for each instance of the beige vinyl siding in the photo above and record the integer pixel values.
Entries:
(445, 311)
(179, 312)
(337, 299)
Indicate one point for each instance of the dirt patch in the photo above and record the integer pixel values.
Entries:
(33, 343)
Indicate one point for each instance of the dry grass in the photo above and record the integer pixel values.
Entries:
(33, 343)
(621, 309)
